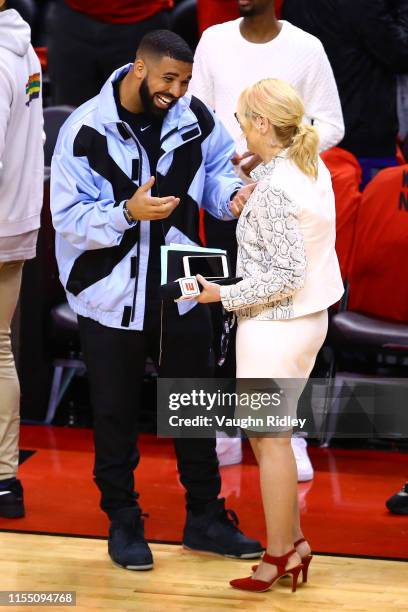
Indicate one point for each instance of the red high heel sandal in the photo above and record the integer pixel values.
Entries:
(305, 561)
(259, 586)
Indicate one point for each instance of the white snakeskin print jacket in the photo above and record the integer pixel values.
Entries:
(286, 245)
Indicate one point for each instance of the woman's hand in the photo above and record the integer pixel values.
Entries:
(210, 292)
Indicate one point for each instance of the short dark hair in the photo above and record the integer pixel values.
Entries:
(165, 43)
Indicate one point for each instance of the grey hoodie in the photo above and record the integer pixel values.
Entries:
(21, 125)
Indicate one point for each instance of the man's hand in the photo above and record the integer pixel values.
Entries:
(252, 162)
(240, 199)
(237, 158)
(143, 207)
(210, 292)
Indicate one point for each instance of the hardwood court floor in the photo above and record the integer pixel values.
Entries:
(184, 581)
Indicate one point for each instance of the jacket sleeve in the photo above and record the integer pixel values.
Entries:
(79, 213)
(384, 32)
(201, 84)
(322, 101)
(220, 178)
(278, 250)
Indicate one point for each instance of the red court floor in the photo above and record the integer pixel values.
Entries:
(343, 508)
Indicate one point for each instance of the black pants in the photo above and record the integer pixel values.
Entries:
(83, 52)
(115, 359)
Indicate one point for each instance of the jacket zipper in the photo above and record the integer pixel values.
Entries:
(164, 240)
(136, 278)
(138, 242)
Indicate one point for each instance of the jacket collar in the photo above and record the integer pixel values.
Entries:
(178, 117)
(267, 169)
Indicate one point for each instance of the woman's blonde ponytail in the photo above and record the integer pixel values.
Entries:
(304, 149)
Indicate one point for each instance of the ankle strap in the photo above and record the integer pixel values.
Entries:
(299, 541)
(280, 562)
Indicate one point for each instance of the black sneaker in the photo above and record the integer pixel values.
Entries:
(127, 546)
(398, 503)
(216, 531)
(11, 499)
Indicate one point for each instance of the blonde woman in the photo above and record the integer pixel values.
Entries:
(287, 259)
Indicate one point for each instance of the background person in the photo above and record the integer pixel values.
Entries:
(233, 55)
(21, 195)
(398, 503)
(287, 258)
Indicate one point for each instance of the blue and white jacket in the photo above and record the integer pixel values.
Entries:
(97, 165)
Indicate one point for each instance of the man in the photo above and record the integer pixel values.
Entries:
(398, 503)
(120, 161)
(367, 44)
(233, 55)
(21, 193)
(88, 39)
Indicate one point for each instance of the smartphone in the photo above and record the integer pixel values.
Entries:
(209, 266)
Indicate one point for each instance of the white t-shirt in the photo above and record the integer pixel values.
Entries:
(225, 63)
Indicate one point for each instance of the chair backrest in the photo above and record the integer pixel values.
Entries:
(183, 21)
(372, 165)
(346, 177)
(54, 117)
(27, 8)
(379, 272)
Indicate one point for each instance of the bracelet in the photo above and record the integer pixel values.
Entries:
(128, 214)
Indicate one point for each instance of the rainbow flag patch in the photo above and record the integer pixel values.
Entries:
(33, 87)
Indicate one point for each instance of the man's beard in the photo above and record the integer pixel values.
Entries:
(245, 11)
(251, 11)
(148, 105)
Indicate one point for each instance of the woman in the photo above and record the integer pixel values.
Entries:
(287, 259)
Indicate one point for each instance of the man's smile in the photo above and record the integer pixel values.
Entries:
(163, 101)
